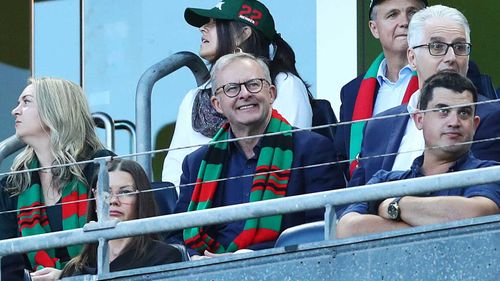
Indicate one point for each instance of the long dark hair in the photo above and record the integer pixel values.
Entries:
(258, 45)
(145, 208)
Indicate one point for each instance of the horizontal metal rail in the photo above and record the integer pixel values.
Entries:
(250, 210)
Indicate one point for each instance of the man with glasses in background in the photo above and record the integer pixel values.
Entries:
(439, 39)
(448, 121)
(254, 167)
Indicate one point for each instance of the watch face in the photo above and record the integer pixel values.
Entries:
(393, 211)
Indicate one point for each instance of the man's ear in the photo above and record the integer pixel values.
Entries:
(477, 120)
(273, 92)
(410, 55)
(216, 104)
(373, 28)
(418, 118)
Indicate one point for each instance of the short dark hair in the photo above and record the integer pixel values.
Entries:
(448, 79)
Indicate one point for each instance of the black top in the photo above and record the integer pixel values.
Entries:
(157, 253)
(12, 266)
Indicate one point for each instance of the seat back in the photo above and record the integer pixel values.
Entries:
(166, 198)
(182, 249)
(322, 115)
(300, 234)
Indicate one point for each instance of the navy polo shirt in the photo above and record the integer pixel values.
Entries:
(466, 162)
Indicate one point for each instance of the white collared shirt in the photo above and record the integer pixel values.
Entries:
(412, 144)
(390, 94)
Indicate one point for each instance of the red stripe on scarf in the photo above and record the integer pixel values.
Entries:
(42, 258)
(71, 206)
(26, 211)
(410, 89)
(207, 191)
(363, 108)
(28, 223)
(264, 234)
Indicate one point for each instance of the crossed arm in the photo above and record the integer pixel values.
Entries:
(416, 211)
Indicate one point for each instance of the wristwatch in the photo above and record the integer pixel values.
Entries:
(393, 209)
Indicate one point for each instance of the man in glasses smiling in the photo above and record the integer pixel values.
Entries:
(258, 167)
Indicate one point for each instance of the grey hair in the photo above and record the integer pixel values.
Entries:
(417, 23)
(227, 59)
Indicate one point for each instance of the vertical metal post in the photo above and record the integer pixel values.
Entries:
(1, 268)
(102, 257)
(330, 222)
(103, 197)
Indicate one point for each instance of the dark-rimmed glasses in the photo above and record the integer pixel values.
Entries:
(441, 48)
(233, 89)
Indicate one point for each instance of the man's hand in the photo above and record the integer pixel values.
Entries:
(207, 254)
(46, 274)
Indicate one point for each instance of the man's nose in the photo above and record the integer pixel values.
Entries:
(453, 119)
(244, 92)
(450, 55)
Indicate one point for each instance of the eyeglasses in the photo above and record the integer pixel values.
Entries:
(233, 89)
(125, 193)
(441, 48)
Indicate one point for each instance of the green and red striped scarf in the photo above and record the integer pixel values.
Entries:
(276, 155)
(35, 221)
(363, 108)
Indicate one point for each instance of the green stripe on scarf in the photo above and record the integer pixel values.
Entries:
(276, 154)
(363, 108)
(35, 221)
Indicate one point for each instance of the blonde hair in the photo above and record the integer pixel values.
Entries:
(64, 110)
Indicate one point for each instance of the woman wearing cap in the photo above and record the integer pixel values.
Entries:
(235, 25)
(53, 119)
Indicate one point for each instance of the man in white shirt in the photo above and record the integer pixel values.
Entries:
(389, 81)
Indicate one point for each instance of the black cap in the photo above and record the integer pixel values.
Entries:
(374, 3)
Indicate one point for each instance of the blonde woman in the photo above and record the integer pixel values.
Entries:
(53, 119)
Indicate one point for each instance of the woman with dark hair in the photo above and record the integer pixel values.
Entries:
(232, 26)
(53, 119)
(127, 180)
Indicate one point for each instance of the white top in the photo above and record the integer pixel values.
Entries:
(390, 94)
(292, 102)
(413, 139)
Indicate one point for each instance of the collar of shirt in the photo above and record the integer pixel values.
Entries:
(236, 147)
(459, 164)
(412, 106)
(382, 70)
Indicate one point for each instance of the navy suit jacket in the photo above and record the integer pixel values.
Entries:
(348, 95)
(384, 137)
(309, 148)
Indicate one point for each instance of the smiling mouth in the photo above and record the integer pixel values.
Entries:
(246, 106)
(203, 40)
